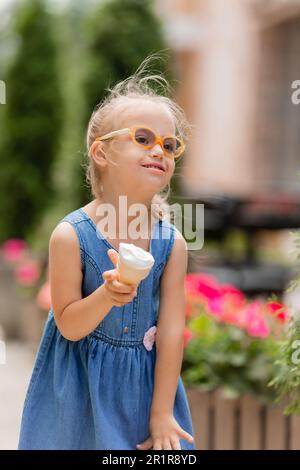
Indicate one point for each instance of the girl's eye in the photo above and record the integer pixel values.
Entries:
(144, 136)
(169, 146)
(141, 139)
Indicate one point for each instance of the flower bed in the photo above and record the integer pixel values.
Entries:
(230, 342)
(25, 291)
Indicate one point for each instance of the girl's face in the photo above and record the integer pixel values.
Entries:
(124, 168)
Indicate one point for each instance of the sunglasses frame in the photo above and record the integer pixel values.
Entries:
(131, 131)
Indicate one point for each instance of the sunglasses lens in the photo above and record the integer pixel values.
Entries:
(147, 138)
(144, 136)
(172, 145)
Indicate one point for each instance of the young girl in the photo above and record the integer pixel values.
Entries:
(107, 371)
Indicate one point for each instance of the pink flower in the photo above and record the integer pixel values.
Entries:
(149, 338)
(200, 284)
(279, 310)
(28, 273)
(237, 297)
(43, 298)
(13, 249)
(258, 327)
(221, 301)
(229, 305)
(253, 320)
(233, 303)
(203, 288)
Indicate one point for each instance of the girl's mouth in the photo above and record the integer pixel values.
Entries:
(155, 168)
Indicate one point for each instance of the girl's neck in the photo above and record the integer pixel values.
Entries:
(120, 208)
(124, 202)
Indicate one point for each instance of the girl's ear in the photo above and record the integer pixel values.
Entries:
(98, 154)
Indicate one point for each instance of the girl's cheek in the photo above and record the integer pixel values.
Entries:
(171, 170)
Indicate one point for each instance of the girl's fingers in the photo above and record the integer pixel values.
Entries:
(122, 288)
(175, 444)
(147, 444)
(113, 256)
(111, 274)
(119, 296)
(114, 287)
(157, 446)
(186, 436)
(167, 445)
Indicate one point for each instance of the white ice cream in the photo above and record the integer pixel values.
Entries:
(135, 257)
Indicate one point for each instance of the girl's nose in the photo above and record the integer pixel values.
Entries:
(157, 151)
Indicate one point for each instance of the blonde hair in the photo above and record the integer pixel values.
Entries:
(137, 86)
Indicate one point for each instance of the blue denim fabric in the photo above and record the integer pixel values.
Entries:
(96, 393)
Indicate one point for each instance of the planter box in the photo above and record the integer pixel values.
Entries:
(20, 317)
(240, 424)
(10, 303)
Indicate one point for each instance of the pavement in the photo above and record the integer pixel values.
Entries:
(16, 363)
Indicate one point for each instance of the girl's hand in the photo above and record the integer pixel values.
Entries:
(117, 292)
(165, 434)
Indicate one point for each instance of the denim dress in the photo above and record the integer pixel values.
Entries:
(96, 393)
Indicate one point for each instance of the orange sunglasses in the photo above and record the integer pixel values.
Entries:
(144, 137)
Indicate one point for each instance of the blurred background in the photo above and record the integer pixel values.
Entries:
(232, 64)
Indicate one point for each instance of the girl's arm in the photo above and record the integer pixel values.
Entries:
(75, 316)
(170, 329)
(165, 431)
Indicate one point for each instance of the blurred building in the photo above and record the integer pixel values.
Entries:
(236, 61)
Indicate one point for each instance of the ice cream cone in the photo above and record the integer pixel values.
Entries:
(134, 263)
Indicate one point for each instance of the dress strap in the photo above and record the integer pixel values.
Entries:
(163, 241)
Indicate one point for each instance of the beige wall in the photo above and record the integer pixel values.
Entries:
(221, 50)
